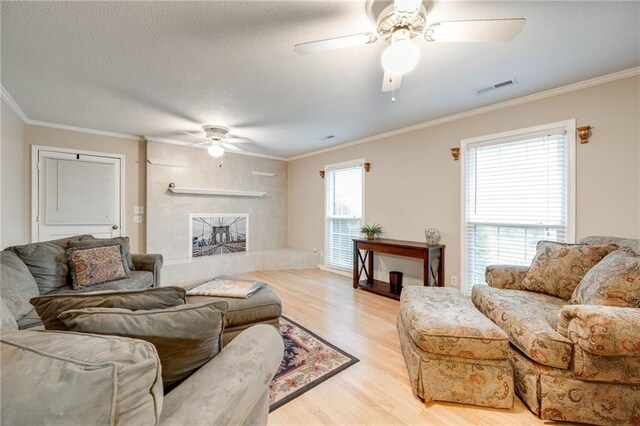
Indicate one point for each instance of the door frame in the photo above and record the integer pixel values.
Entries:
(35, 182)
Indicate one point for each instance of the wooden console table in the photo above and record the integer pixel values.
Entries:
(432, 258)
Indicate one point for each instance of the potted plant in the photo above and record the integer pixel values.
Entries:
(371, 231)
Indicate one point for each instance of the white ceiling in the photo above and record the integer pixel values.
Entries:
(155, 68)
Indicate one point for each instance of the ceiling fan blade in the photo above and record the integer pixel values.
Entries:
(406, 7)
(391, 82)
(231, 147)
(237, 139)
(490, 30)
(195, 135)
(200, 143)
(335, 43)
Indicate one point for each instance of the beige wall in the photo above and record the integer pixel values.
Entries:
(135, 169)
(415, 184)
(15, 200)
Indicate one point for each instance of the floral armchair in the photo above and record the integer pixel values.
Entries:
(572, 362)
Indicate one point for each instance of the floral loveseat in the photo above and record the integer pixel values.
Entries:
(572, 361)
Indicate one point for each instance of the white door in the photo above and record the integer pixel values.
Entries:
(78, 194)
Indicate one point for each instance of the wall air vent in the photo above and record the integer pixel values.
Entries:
(496, 86)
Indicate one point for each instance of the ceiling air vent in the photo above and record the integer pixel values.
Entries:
(496, 86)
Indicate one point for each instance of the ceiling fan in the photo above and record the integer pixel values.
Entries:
(218, 139)
(399, 22)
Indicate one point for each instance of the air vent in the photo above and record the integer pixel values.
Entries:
(496, 86)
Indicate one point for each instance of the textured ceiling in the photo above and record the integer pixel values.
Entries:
(155, 68)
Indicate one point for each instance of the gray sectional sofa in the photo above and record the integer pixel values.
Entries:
(36, 269)
(68, 378)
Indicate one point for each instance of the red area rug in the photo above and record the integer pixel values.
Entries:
(308, 361)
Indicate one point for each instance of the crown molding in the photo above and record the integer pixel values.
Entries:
(13, 105)
(26, 120)
(631, 72)
(83, 130)
(183, 143)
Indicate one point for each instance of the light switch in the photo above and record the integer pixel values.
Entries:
(137, 219)
(138, 210)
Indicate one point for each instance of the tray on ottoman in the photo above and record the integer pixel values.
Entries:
(452, 351)
(263, 307)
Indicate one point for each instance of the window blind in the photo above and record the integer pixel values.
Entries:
(516, 194)
(344, 212)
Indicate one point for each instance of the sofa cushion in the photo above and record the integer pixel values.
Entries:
(101, 242)
(530, 320)
(7, 318)
(96, 265)
(615, 281)
(31, 320)
(18, 285)
(558, 268)
(73, 379)
(628, 244)
(138, 280)
(50, 306)
(47, 261)
(185, 336)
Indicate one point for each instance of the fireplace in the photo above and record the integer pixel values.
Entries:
(212, 234)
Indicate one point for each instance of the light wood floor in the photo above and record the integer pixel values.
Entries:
(376, 390)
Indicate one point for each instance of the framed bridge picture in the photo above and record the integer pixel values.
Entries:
(216, 233)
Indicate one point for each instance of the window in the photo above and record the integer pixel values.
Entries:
(518, 189)
(344, 184)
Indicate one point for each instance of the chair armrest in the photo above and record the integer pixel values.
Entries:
(149, 262)
(226, 390)
(602, 330)
(505, 276)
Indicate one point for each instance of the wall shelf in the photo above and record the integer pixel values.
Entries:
(164, 163)
(216, 192)
(257, 173)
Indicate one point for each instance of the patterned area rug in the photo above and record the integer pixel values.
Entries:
(308, 361)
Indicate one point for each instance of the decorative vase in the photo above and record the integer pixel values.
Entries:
(433, 236)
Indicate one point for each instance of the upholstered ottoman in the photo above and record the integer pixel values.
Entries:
(263, 307)
(453, 352)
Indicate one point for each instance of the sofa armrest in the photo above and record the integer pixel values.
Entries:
(149, 262)
(505, 276)
(229, 388)
(602, 330)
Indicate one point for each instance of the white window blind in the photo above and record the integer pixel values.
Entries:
(344, 212)
(516, 192)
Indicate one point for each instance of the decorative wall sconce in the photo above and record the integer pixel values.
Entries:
(322, 174)
(455, 153)
(367, 167)
(584, 133)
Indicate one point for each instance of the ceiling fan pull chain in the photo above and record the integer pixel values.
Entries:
(393, 90)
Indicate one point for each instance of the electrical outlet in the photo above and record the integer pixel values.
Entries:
(454, 281)
(137, 219)
(138, 210)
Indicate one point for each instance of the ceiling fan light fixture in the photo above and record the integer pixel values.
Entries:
(215, 150)
(402, 56)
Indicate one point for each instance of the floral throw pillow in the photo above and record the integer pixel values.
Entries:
(558, 268)
(96, 265)
(613, 282)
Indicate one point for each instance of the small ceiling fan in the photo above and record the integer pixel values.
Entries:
(399, 22)
(218, 139)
